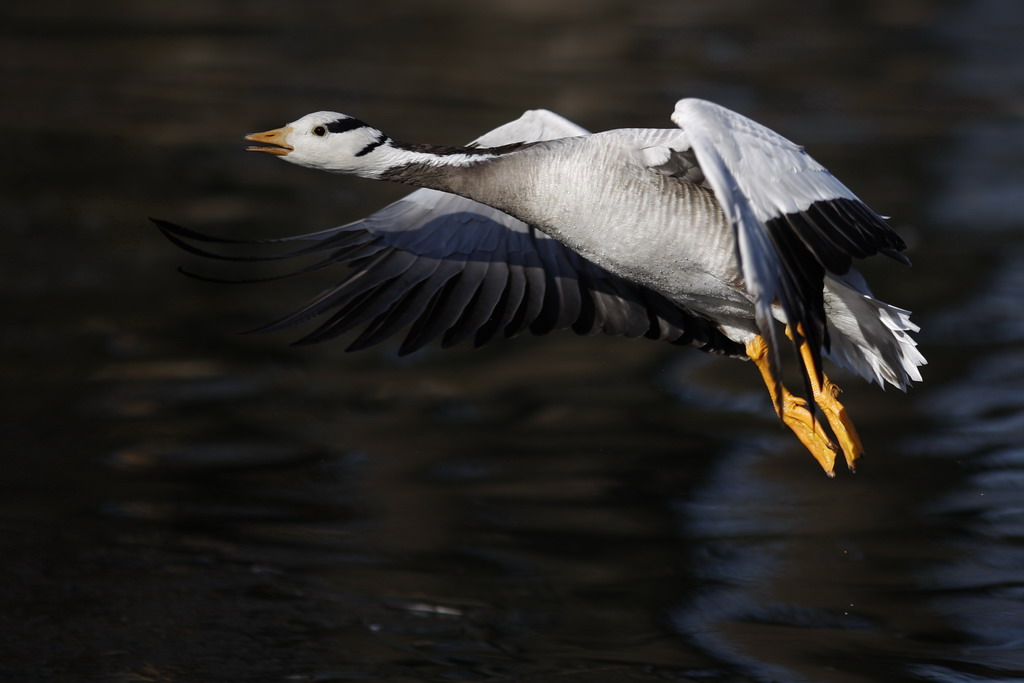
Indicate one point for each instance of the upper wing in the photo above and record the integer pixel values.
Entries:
(439, 264)
(793, 220)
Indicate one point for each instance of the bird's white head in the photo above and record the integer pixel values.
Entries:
(327, 141)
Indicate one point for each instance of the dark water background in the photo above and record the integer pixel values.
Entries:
(180, 503)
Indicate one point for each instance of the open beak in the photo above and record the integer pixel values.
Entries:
(273, 141)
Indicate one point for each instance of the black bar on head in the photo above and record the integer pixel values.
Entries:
(345, 125)
(381, 139)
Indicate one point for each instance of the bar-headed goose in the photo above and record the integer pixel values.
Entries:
(719, 233)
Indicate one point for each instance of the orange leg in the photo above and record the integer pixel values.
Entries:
(826, 395)
(793, 411)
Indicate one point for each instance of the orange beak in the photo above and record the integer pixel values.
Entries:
(273, 141)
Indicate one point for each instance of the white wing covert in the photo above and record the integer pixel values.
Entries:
(793, 220)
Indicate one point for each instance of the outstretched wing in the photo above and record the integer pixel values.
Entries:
(793, 220)
(442, 265)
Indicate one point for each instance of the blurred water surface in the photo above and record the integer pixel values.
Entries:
(183, 503)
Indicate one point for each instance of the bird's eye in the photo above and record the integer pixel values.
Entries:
(319, 131)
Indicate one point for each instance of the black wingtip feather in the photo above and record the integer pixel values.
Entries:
(897, 256)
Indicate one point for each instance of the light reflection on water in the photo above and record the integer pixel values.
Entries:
(185, 504)
(978, 587)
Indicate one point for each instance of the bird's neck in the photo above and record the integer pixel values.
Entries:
(439, 167)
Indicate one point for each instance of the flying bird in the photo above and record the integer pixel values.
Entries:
(720, 234)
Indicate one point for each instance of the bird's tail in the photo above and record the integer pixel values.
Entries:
(869, 336)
